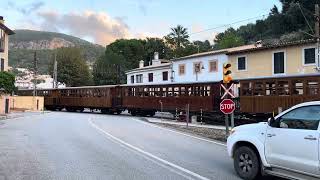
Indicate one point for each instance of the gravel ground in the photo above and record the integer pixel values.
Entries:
(214, 134)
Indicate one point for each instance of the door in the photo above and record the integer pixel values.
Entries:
(6, 110)
(293, 140)
(117, 97)
(2, 64)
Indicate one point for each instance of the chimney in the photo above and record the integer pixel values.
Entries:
(1, 20)
(141, 64)
(155, 60)
(156, 55)
(258, 44)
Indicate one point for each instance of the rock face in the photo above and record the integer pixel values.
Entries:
(24, 43)
(41, 44)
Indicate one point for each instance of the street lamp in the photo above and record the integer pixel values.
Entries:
(198, 68)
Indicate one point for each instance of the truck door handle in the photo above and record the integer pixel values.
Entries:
(270, 135)
(310, 138)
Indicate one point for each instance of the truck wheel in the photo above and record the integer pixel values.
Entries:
(246, 163)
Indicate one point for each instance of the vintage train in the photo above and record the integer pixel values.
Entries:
(257, 98)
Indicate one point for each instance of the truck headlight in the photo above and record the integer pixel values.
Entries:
(233, 130)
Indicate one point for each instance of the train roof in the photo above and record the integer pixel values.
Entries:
(280, 76)
(181, 83)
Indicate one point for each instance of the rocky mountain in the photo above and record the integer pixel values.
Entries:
(24, 43)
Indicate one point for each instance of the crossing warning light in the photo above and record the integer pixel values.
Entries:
(227, 73)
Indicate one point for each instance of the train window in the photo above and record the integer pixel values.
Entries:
(313, 88)
(176, 91)
(297, 88)
(259, 89)
(133, 92)
(283, 88)
(170, 91)
(152, 90)
(157, 92)
(182, 91)
(246, 89)
(190, 93)
(208, 91)
(271, 88)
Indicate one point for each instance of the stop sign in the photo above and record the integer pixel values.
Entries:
(227, 106)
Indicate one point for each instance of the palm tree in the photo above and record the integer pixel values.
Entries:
(178, 37)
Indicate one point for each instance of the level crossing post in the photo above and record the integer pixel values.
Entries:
(187, 115)
(227, 124)
(232, 120)
(201, 116)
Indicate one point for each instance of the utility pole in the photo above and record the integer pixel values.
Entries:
(55, 72)
(317, 34)
(35, 70)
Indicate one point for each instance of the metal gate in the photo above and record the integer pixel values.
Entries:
(6, 110)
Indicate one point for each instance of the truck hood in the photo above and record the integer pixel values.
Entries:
(256, 127)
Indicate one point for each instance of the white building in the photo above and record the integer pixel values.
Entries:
(159, 72)
(4, 45)
(202, 67)
(25, 80)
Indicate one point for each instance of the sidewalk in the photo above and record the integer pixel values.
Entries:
(165, 121)
(14, 115)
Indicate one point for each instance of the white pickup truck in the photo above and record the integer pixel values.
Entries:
(287, 146)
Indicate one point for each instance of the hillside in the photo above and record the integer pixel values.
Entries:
(24, 43)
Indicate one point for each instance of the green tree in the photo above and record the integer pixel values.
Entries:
(152, 45)
(72, 69)
(228, 39)
(109, 69)
(132, 51)
(178, 37)
(7, 81)
(202, 46)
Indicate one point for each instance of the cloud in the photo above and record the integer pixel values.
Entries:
(26, 9)
(99, 26)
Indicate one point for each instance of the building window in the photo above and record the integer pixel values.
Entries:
(165, 76)
(2, 40)
(139, 78)
(132, 79)
(150, 77)
(182, 69)
(309, 55)
(213, 66)
(278, 63)
(197, 67)
(2, 65)
(242, 63)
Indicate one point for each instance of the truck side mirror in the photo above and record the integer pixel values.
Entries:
(271, 121)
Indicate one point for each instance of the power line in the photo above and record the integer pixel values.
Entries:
(226, 25)
(305, 18)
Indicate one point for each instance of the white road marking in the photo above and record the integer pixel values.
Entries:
(188, 135)
(147, 154)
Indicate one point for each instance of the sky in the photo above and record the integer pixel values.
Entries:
(104, 21)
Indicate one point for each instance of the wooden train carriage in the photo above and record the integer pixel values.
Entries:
(106, 98)
(266, 96)
(95, 97)
(149, 98)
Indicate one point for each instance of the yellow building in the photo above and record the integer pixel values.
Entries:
(4, 44)
(283, 59)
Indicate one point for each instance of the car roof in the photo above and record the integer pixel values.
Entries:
(310, 103)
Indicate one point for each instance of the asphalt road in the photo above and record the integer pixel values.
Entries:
(61, 145)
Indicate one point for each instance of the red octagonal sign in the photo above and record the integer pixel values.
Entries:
(227, 106)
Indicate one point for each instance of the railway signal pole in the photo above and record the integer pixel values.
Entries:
(317, 34)
(35, 70)
(55, 72)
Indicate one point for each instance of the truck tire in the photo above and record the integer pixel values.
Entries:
(246, 163)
